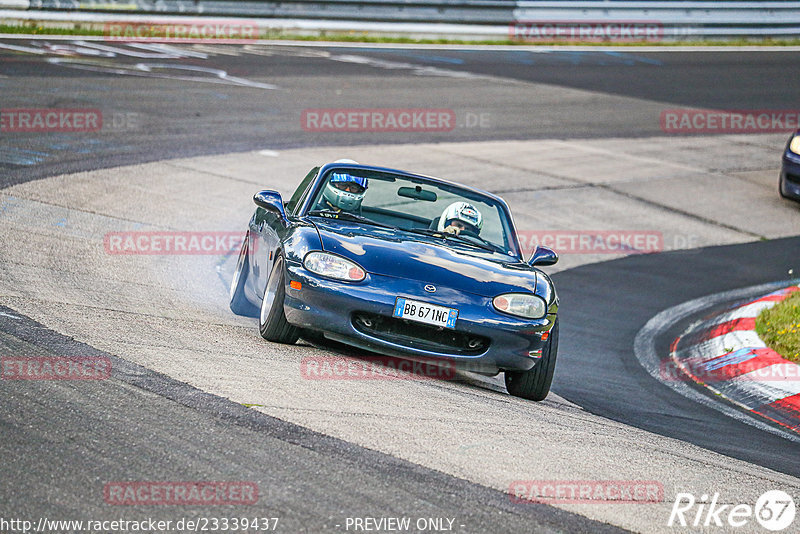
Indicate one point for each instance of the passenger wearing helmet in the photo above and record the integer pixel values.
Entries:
(460, 216)
(344, 192)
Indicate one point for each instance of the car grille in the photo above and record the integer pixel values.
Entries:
(793, 178)
(419, 336)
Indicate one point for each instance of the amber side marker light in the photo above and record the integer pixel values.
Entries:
(294, 284)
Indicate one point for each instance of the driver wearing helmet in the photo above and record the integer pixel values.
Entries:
(344, 192)
(460, 216)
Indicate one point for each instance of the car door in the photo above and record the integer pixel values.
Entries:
(266, 241)
(268, 229)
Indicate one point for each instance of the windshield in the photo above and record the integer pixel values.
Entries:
(451, 213)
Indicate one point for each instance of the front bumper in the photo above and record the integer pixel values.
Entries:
(790, 176)
(331, 307)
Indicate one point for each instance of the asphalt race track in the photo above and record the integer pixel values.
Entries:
(644, 285)
(209, 117)
(574, 141)
(143, 425)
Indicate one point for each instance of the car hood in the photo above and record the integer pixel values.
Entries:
(426, 259)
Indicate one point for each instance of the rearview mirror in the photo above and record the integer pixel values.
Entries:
(270, 201)
(417, 193)
(543, 256)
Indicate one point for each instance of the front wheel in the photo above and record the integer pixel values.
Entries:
(272, 321)
(534, 384)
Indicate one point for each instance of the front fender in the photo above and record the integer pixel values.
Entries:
(299, 240)
(547, 290)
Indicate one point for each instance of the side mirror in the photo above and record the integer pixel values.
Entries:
(270, 201)
(543, 256)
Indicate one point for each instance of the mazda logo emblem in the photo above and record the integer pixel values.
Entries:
(430, 288)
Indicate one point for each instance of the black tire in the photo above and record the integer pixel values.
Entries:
(272, 321)
(239, 303)
(534, 384)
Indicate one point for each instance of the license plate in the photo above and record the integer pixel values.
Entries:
(423, 312)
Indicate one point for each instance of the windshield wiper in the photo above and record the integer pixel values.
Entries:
(488, 245)
(468, 239)
(346, 215)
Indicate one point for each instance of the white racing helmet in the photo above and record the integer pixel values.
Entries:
(463, 212)
(341, 198)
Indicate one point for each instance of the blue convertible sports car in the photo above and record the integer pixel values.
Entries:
(404, 265)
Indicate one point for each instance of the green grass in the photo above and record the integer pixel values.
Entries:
(89, 29)
(34, 29)
(779, 327)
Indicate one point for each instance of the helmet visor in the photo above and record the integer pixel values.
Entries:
(349, 183)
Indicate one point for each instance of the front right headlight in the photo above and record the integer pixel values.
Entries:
(794, 144)
(333, 266)
(526, 305)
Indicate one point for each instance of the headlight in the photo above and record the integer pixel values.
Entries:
(521, 304)
(794, 145)
(333, 266)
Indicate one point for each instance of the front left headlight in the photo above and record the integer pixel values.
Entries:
(794, 144)
(333, 266)
(524, 305)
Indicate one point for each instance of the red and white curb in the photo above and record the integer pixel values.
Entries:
(725, 355)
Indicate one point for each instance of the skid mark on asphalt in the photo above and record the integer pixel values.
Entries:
(52, 146)
(171, 50)
(150, 53)
(95, 51)
(21, 156)
(419, 70)
(572, 183)
(162, 70)
(684, 213)
(91, 49)
(530, 57)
